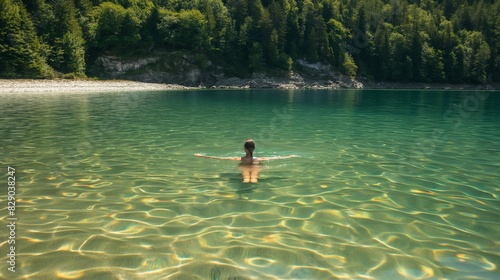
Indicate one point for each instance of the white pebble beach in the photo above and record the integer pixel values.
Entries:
(74, 86)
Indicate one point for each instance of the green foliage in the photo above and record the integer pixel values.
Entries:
(68, 50)
(478, 55)
(106, 25)
(349, 67)
(396, 40)
(400, 59)
(185, 30)
(130, 28)
(20, 49)
(74, 53)
(433, 64)
(256, 59)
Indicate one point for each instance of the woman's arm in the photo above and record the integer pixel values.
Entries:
(213, 157)
(278, 157)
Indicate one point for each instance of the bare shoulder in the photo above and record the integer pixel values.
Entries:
(247, 160)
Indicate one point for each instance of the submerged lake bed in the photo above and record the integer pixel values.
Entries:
(388, 184)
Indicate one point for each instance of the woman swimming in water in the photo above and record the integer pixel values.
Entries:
(249, 165)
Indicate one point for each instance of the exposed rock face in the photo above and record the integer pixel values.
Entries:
(184, 69)
(169, 68)
(317, 70)
(115, 66)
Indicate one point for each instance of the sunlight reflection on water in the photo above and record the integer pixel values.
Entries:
(109, 187)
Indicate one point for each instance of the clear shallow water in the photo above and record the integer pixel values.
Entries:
(388, 185)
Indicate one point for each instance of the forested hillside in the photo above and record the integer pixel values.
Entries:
(383, 40)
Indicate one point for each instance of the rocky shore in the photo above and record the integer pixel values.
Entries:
(256, 81)
(298, 82)
(295, 81)
(179, 68)
(430, 86)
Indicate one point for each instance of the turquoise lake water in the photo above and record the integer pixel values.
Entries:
(387, 185)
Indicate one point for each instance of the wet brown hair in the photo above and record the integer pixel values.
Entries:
(250, 145)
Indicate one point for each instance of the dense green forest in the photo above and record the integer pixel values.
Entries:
(383, 40)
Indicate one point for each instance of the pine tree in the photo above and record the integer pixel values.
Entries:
(337, 36)
(20, 50)
(382, 63)
(349, 66)
(433, 64)
(292, 38)
(480, 63)
(129, 34)
(74, 53)
(459, 54)
(400, 60)
(256, 58)
(69, 50)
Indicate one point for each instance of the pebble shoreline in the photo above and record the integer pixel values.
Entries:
(71, 86)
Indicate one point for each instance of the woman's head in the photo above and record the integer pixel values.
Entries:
(249, 146)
